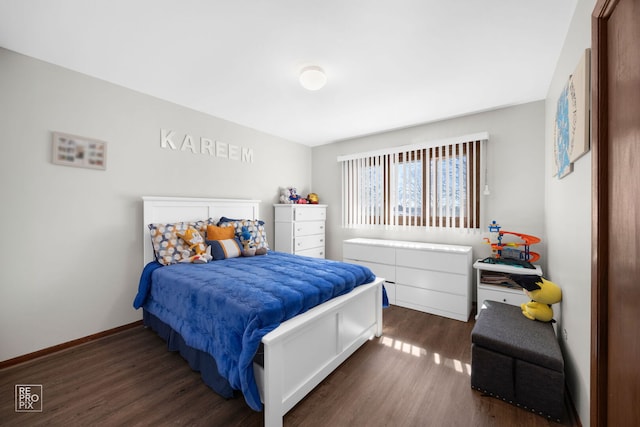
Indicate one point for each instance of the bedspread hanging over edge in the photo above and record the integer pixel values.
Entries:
(239, 372)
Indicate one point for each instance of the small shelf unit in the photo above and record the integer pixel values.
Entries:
(494, 283)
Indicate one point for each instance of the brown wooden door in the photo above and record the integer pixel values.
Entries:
(615, 356)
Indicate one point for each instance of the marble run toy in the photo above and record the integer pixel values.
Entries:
(497, 246)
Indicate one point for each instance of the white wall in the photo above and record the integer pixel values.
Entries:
(515, 175)
(72, 250)
(568, 226)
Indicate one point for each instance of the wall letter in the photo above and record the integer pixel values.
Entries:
(247, 155)
(234, 152)
(206, 145)
(165, 139)
(187, 142)
(221, 149)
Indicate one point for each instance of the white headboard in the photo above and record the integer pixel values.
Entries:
(177, 209)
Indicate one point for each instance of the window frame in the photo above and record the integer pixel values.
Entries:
(376, 191)
(426, 156)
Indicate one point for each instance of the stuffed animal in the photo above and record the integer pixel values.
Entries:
(196, 245)
(543, 294)
(293, 195)
(246, 237)
(312, 198)
(284, 195)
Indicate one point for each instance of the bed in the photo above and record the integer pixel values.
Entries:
(282, 355)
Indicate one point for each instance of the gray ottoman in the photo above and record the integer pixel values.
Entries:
(517, 360)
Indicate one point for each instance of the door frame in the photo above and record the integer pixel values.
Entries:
(599, 213)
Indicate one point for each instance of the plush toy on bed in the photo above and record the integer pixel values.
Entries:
(197, 247)
(542, 292)
(247, 242)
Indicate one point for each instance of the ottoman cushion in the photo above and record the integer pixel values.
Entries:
(503, 329)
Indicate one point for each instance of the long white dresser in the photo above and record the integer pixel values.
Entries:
(300, 229)
(429, 277)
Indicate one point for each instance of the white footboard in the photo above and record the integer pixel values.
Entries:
(304, 350)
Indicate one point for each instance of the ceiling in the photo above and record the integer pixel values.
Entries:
(390, 64)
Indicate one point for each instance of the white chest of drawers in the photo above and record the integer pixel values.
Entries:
(300, 229)
(428, 277)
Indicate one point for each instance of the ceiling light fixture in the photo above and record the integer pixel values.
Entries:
(312, 78)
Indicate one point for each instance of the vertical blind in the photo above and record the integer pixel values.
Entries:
(434, 184)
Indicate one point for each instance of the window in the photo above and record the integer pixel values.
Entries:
(428, 185)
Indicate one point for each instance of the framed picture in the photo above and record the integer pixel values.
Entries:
(579, 108)
(73, 150)
(561, 137)
(572, 121)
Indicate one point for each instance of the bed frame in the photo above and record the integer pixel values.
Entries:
(302, 351)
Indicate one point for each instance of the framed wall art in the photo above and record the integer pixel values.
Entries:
(572, 120)
(579, 103)
(79, 151)
(563, 165)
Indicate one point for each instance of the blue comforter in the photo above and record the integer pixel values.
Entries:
(226, 307)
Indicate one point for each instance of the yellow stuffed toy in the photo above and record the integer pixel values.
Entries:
(197, 246)
(543, 294)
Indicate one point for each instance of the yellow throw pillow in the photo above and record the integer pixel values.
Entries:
(219, 233)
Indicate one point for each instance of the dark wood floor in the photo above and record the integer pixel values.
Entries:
(416, 374)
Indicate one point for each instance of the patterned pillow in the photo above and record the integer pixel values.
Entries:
(223, 249)
(167, 246)
(255, 227)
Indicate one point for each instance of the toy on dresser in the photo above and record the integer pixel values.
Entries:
(509, 250)
(289, 195)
